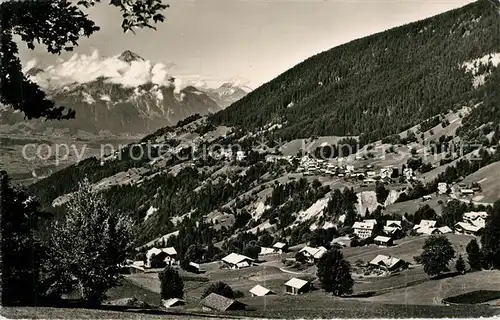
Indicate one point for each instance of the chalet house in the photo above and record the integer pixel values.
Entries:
(393, 229)
(341, 241)
(260, 291)
(467, 228)
(215, 302)
(477, 219)
(173, 302)
(386, 172)
(394, 232)
(363, 229)
(280, 247)
(266, 251)
(442, 187)
(393, 223)
(466, 192)
(371, 173)
(388, 263)
(297, 286)
(237, 261)
(194, 267)
(313, 254)
(425, 227)
(240, 155)
(383, 241)
(444, 230)
(168, 255)
(408, 173)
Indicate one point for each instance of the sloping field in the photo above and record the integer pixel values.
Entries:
(326, 306)
(489, 179)
(413, 205)
(431, 175)
(404, 249)
(433, 291)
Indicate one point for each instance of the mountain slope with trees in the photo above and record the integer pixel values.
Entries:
(410, 73)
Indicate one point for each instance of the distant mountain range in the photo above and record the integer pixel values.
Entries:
(121, 94)
(227, 94)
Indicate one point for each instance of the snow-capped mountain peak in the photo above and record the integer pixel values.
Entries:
(129, 56)
(228, 93)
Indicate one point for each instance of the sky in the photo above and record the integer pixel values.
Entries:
(249, 41)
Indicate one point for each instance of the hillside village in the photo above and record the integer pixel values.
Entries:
(260, 254)
(389, 243)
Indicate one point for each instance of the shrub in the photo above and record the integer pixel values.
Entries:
(219, 288)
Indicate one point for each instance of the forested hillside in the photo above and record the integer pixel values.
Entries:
(378, 85)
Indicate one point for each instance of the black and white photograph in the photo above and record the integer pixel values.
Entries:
(249, 159)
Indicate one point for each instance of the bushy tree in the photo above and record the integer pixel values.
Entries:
(460, 265)
(490, 239)
(21, 251)
(58, 25)
(171, 283)
(474, 255)
(193, 254)
(300, 257)
(381, 192)
(141, 256)
(88, 246)
(158, 260)
(219, 288)
(334, 273)
(251, 251)
(437, 254)
(266, 240)
(321, 237)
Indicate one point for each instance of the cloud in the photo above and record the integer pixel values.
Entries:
(81, 68)
(29, 65)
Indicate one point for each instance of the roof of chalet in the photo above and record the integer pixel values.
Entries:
(385, 261)
(363, 225)
(168, 303)
(265, 250)
(382, 239)
(427, 223)
(235, 258)
(296, 283)
(468, 226)
(475, 215)
(445, 229)
(314, 252)
(388, 223)
(391, 230)
(220, 303)
(169, 251)
(426, 230)
(260, 291)
(279, 245)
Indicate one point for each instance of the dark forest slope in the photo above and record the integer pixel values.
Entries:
(378, 85)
